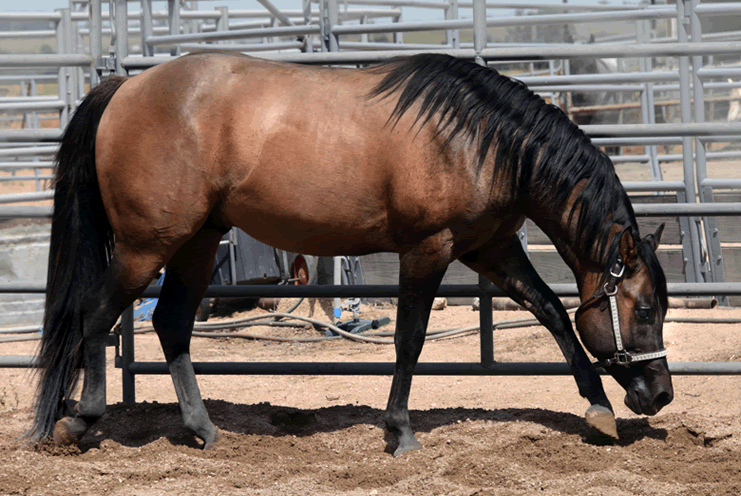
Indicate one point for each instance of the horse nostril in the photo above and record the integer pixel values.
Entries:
(662, 399)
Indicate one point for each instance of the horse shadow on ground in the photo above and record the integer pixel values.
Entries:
(143, 423)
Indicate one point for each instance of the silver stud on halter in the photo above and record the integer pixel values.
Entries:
(622, 357)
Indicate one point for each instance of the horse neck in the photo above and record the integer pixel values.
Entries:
(584, 261)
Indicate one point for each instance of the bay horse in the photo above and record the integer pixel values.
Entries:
(431, 157)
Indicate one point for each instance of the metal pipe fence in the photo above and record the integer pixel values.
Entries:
(294, 35)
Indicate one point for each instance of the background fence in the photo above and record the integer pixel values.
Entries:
(657, 85)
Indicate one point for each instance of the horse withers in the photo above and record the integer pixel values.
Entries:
(431, 157)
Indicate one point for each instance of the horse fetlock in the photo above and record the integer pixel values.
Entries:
(69, 430)
(202, 427)
(214, 438)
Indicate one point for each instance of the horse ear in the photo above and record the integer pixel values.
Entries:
(628, 250)
(655, 238)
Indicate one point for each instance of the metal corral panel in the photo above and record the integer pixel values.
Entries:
(24, 252)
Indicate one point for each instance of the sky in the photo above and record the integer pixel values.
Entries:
(409, 13)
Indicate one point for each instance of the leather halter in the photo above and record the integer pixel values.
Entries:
(622, 356)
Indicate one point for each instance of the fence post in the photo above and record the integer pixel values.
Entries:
(128, 380)
(95, 39)
(173, 15)
(479, 29)
(62, 73)
(122, 35)
(146, 27)
(330, 39)
(486, 323)
(693, 272)
(648, 115)
(223, 23)
(70, 73)
(308, 39)
(712, 233)
(452, 36)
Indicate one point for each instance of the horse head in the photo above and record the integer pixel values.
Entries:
(620, 322)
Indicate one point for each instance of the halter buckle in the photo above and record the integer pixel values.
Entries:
(622, 270)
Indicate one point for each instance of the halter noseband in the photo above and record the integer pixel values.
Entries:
(622, 356)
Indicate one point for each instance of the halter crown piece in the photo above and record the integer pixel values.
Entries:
(622, 356)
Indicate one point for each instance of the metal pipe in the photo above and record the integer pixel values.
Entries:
(492, 54)
(26, 151)
(27, 34)
(231, 35)
(26, 213)
(244, 47)
(486, 324)
(424, 368)
(24, 178)
(383, 291)
(95, 40)
(717, 9)
(26, 197)
(29, 136)
(276, 13)
(147, 27)
(22, 106)
(653, 186)
(25, 165)
(479, 30)
(687, 129)
(683, 209)
(173, 20)
(721, 183)
(615, 78)
(128, 381)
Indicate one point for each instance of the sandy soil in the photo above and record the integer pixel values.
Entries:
(324, 435)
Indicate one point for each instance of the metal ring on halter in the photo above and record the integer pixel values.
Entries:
(622, 270)
(610, 293)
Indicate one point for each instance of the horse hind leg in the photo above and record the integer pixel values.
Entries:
(124, 280)
(187, 276)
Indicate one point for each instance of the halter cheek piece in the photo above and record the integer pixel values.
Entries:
(622, 356)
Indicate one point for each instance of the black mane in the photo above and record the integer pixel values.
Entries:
(542, 153)
(484, 107)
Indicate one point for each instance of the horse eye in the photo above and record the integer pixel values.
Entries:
(643, 313)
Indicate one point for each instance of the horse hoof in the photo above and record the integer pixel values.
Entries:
(411, 445)
(217, 437)
(603, 420)
(69, 430)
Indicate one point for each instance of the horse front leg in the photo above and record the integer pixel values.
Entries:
(419, 278)
(506, 264)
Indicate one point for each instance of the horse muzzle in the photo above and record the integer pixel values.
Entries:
(650, 392)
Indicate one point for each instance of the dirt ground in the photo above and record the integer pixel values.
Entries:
(324, 435)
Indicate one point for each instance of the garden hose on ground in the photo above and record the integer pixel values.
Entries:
(377, 337)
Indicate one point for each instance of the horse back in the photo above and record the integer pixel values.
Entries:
(293, 155)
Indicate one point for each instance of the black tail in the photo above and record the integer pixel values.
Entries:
(81, 243)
